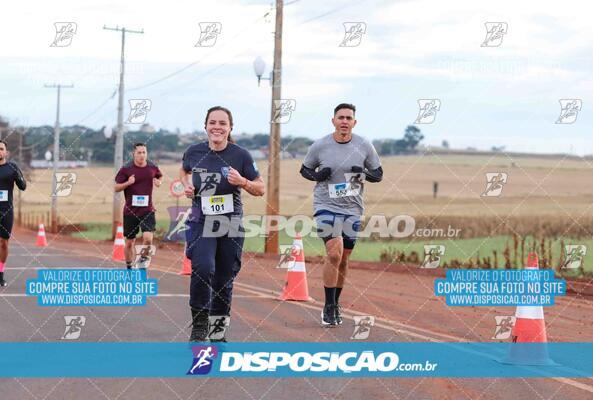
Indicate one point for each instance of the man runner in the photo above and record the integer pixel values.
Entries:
(136, 179)
(9, 175)
(339, 162)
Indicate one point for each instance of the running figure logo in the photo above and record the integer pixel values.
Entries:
(574, 256)
(203, 359)
(495, 182)
(64, 33)
(139, 109)
(362, 326)
(208, 183)
(353, 33)
(428, 110)
(283, 110)
(569, 110)
(504, 327)
(209, 32)
(495, 31)
(74, 324)
(144, 255)
(287, 256)
(64, 183)
(355, 180)
(432, 255)
(218, 326)
(177, 226)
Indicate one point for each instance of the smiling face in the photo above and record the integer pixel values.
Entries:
(344, 121)
(218, 127)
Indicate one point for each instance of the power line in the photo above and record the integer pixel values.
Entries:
(325, 14)
(98, 108)
(186, 67)
(172, 74)
(200, 60)
(245, 51)
(215, 68)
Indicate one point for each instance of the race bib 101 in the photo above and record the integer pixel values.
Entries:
(215, 205)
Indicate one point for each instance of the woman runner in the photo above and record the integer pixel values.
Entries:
(219, 169)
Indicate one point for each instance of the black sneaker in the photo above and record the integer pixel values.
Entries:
(2, 281)
(328, 315)
(199, 329)
(339, 314)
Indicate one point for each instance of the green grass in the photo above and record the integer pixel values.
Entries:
(370, 250)
(364, 251)
(102, 231)
(464, 249)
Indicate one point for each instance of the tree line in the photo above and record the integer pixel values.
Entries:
(95, 146)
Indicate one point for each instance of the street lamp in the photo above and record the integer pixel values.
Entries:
(259, 66)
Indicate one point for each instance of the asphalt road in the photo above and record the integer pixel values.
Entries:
(403, 304)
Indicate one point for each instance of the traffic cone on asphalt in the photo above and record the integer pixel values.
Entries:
(186, 268)
(530, 327)
(41, 239)
(296, 277)
(119, 244)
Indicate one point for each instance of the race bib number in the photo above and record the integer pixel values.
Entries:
(337, 190)
(215, 205)
(140, 200)
(3, 195)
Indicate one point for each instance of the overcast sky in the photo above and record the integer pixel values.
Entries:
(428, 49)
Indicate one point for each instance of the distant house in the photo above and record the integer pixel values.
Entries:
(259, 154)
(38, 164)
(147, 128)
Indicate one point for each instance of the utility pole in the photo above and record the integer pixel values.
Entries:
(56, 159)
(273, 189)
(118, 159)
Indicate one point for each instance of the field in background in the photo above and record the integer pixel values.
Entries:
(535, 187)
(543, 194)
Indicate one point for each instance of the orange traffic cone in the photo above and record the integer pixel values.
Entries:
(529, 328)
(530, 325)
(41, 239)
(186, 268)
(119, 244)
(296, 277)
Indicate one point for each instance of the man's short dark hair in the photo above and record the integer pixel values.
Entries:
(345, 105)
(139, 144)
(5, 145)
